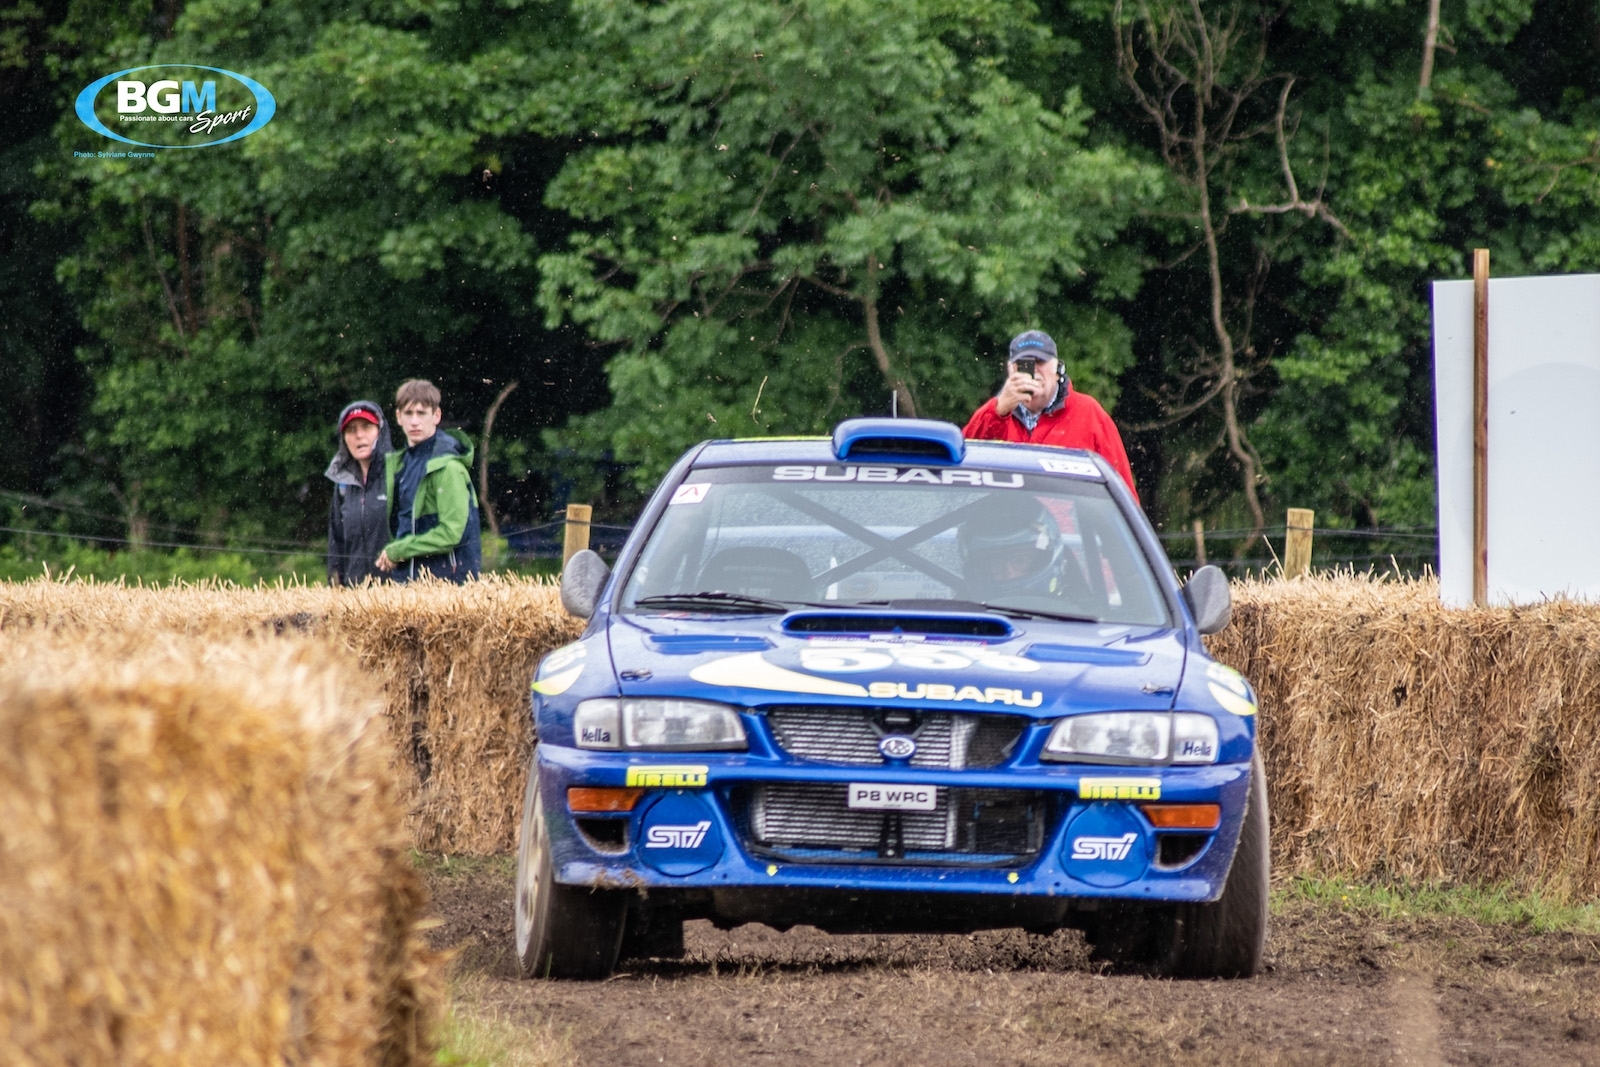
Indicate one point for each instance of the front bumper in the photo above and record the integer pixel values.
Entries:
(688, 831)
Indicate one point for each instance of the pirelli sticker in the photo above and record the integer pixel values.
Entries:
(1116, 788)
(663, 776)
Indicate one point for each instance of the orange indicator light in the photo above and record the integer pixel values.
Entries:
(1184, 816)
(589, 798)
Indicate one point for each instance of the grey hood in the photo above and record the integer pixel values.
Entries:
(343, 469)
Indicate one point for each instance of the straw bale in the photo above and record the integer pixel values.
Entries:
(1408, 741)
(202, 859)
(1403, 740)
(454, 664)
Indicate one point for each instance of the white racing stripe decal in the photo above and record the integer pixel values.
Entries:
(752, 671)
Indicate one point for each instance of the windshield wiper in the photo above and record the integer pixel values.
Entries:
(969, 605)
(1031, 613)
(732, 603)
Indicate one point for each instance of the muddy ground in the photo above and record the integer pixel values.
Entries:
(1338, 988)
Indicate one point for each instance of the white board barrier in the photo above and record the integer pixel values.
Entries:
(1544, 438)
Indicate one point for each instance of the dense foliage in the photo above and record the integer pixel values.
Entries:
(673, 219)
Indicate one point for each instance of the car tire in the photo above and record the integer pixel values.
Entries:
(1226, 938)
(562, 931)
(1222, 939)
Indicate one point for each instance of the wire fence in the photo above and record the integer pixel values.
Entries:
(1410, 549)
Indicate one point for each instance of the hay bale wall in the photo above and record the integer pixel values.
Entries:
(1401, 739)
(453, 664)
(1407, 741)
(202, 861)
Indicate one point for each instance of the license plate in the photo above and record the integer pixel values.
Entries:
(893, 797)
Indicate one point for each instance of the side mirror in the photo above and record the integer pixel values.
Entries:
(1208, 595)
(581, 581)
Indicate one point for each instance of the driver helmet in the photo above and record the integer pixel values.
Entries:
(1013, 546)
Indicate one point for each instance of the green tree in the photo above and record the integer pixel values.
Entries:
(237, 296)
(790, 210)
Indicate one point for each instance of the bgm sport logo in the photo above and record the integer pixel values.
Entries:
(175, 105)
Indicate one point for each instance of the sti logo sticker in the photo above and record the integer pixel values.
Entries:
(662, 776)
(1103, 848)
(677, 836)
(175, 105)
(1116, 788)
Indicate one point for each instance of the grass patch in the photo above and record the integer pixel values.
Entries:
(447, 866)
(476, 1035)
(1489, 905)
(26, 558)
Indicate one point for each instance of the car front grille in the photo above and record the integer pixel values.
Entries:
(812, 822)
(945, 740)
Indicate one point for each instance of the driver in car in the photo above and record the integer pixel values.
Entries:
(1015, 548)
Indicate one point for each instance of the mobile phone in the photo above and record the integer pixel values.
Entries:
(1026, 365)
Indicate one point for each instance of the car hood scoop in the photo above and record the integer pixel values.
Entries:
(876, 622)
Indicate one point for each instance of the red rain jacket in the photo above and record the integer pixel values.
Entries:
(1080, 423)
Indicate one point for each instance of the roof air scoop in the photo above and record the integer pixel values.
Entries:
(899, 441)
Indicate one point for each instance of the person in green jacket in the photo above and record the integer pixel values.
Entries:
(433, 511)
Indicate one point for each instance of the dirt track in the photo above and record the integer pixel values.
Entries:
(1338, 989)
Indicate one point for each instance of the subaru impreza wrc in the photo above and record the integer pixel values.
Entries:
(893, 681)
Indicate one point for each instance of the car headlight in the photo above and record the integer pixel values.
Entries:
(1134, 737)
(658, 725)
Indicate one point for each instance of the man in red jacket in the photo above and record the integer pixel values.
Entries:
(1042, 408)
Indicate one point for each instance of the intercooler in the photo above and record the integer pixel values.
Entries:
(813, 822)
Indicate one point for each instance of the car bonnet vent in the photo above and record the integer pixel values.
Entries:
(899, 440)
(863, 623)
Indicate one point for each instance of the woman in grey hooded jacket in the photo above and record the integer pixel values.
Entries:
(358, 517)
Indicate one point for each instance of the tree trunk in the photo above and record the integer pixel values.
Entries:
(1229, 371)
(869, 307)
(483, 460)
(1430, 40)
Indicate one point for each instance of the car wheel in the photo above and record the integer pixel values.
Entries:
(563, 931)
(1225, 939)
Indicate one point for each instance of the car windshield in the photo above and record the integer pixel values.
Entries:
(768, 538)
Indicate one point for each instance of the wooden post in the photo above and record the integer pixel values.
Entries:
(1200, 540)
(1480, 426)
(576, 536)
(1297, 544)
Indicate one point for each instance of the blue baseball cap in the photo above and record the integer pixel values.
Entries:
(1034, 343)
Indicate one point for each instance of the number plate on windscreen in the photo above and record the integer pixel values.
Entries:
(893, 797)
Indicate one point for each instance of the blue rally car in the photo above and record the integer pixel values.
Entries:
(893, 681)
